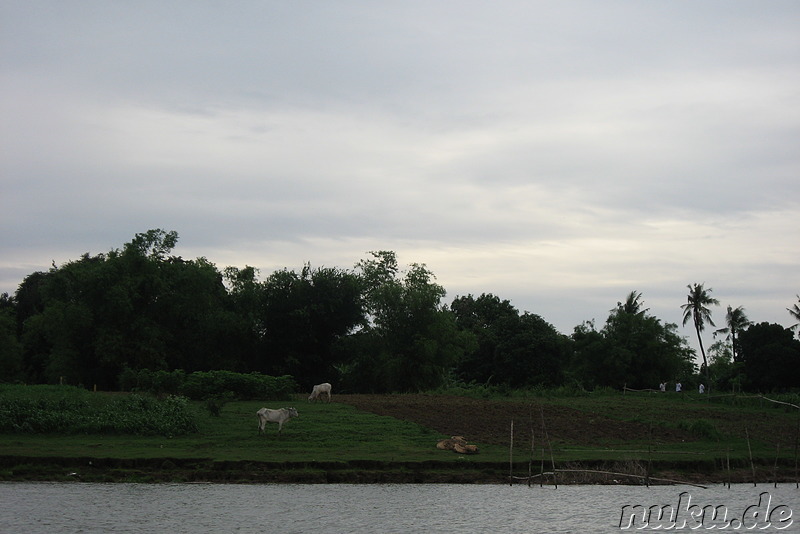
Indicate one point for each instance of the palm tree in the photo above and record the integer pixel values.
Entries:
(794, 311)
(632, 305)
(736, 321)
(696, 308)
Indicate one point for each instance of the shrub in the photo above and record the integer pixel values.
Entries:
(214, 405)
(251, 386)
(157, 382)
(201, 385)
(62, 409)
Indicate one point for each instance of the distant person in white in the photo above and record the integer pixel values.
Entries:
(678, 387)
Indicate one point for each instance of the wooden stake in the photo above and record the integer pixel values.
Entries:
(728, 462)
(670, 480)
(796, 436)
(750, 451)
(541, 469)
(511, 457)
(649, 456)
(549, 446)
(533, 451)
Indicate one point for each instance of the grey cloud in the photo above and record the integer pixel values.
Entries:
(543, 149)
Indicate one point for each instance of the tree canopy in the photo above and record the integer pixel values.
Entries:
(377, 327)
(633, 349)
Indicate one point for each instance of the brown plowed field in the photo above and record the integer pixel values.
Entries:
(489, 421)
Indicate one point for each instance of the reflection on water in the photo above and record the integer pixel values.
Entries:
(350, 508)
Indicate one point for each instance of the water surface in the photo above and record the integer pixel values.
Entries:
(356, 508)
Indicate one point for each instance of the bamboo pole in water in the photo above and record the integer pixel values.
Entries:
(598, 471)
(796, 438)
(550, 447)
(728, 463)
(750, 451)
(649, 455)
(533, 450)
(511, 457)
(775, 467)
(541, 469)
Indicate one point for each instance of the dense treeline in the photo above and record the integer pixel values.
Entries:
(204, 385)
(375, 328)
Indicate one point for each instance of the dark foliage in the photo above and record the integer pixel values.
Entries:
(141, 318)
(771, 356)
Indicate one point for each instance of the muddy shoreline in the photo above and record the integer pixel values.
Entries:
(199, 470)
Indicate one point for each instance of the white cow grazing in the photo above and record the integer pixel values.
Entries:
(265, 415)
(319, 389)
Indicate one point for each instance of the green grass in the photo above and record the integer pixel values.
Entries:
(323, 432)
(329, 432)
(339, 436)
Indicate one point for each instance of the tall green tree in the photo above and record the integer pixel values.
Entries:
(535, 354)
(696, 309)
(193, 317)
(10, 346)
(632, 305)
(247, 334)
(513, 349)
(594, 361)
(771, 357)
(725, 373)
(58, 336)
(633, 348)
(409, 340)
(794, 311)
(304, 315)
(137, 307)
(154, 244)
(29, 300)
(736, 321)
(491, 321)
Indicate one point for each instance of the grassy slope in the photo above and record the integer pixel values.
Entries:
(329, 432)
(337, 432)
(716, 426)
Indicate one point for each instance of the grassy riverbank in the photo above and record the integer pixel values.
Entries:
(392, 438)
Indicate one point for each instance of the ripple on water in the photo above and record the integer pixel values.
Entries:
(346, 508)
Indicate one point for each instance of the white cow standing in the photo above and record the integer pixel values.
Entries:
(265, 415)
(319, 389)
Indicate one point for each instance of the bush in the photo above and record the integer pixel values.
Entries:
(214, 405)
(156, 382)
(251, 386)
(68, 410)
(202, 385)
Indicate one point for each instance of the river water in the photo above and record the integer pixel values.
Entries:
(41, 507)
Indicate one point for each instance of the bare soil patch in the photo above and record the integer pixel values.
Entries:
(489, 421)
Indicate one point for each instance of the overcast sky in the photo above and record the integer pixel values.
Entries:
(556, 154)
